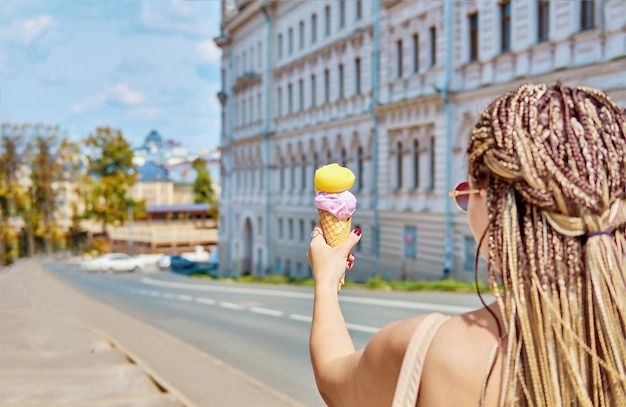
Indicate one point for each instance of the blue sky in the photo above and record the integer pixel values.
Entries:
(135, 65)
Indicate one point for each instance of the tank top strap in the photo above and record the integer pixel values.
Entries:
(413, 361)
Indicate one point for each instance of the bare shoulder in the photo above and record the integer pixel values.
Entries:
(380, 363)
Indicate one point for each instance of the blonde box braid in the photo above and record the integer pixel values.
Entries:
(554, 162)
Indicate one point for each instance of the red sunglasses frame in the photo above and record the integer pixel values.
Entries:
(462, 189)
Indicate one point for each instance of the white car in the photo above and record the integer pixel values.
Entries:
(113, 262)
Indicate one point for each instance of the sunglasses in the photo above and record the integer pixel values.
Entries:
(461, 194)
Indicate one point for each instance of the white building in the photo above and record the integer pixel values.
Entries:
(365, 84)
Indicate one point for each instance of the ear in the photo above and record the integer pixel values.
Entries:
(484, 193)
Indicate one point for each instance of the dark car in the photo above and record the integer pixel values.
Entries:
(181, 265)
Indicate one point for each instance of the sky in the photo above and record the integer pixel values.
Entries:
(133, 65)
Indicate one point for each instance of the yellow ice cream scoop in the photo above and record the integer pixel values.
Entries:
(333, 178)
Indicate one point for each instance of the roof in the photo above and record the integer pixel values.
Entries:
(194, 208)
(152, 172)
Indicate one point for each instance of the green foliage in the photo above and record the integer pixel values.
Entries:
(111, 173)
(203, 191)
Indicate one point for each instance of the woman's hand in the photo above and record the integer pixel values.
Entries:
(329, 264)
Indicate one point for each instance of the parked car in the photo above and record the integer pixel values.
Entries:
(164, 262)
(114, 262)
(181, 265)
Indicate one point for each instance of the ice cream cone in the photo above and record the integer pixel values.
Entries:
(335, 230)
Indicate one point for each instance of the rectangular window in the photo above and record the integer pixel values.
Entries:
(431, 185)
(416, 53)
(243, 112)
(340, 81)
(280, 228)
(289, 99)
(342, 13)
(313, 28)
(260, 57)
(399, 58)
(301, 95)
(473, 36)
(290, 41)
(587, 14)
(357, 76)
(259, 104)
(359, 9)
(326, 86)
(313, 91)
(290, 226)
(433, 46)
(327, 20)
(280, 46)
(410, 242)
(279, 102)
(416, 164)
(543, 20)
(302, 232)
(505, 26)
(301, 39)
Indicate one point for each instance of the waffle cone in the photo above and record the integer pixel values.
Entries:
(335, 230)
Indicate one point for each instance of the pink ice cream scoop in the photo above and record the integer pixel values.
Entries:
(342, 205)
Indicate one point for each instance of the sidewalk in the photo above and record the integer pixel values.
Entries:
(60, 348)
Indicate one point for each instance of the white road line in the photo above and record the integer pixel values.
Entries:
(231, 305)
(267, 311)
(184, 297)
(298, 317)
(203, 300)
(169, 296)
(362, 328)
(423, 306)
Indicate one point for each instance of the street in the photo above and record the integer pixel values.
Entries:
(259, 330)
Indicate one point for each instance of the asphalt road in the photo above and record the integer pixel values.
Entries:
(258, 329)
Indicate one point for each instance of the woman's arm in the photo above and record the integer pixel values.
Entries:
(332, 352)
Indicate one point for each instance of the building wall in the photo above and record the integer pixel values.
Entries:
(286, 136)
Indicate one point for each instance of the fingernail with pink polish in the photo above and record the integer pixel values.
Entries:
(357, 232)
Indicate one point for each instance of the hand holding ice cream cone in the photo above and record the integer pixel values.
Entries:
(335, 204)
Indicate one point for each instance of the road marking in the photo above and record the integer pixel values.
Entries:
(424, 306)
(184, 297)
(169, 296)
(362, 328)
(298, 317)
(234, 290)
(267, 311)
(203, 300)
(230, 305)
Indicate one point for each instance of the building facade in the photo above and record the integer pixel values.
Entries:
(390, 89)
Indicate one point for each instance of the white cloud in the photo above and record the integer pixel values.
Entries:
(174, 16)
(208, 52)
(119, 94)
(30, 31)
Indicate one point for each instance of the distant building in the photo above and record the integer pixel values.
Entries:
(308, 83)
(165, 172)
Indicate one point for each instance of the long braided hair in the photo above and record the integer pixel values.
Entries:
(553, 159)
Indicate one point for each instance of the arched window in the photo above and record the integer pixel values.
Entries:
(359, 168)
(432, 163)
(303, 173)
(343, 157)
(292, 174)
(282, 174)
(399, 166)
(416, 164)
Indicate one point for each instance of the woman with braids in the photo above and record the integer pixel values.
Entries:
(546, 202)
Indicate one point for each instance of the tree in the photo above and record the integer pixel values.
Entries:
(11, 193)
(111, 173)
(203, 191)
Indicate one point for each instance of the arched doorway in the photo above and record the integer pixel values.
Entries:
(246, 263)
